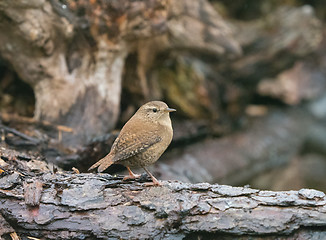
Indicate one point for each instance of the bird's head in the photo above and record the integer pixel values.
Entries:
(155, 111)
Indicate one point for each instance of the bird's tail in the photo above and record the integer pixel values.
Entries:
(103, 163)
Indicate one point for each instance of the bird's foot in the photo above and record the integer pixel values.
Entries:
(154, 183)
(134, 176)
(131, 175)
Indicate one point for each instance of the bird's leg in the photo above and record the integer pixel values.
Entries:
(155, 181)
(131, 175)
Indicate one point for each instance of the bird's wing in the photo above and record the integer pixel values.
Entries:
(133, 140)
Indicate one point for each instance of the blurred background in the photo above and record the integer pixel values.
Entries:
(247, 78)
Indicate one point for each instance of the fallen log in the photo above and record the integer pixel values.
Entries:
(87, 206)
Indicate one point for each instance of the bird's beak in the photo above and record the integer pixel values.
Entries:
(170, 110)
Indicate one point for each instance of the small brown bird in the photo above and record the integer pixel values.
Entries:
(142, 140)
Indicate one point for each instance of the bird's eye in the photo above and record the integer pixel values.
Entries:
(154, 109)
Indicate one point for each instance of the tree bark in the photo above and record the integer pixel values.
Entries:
(88, 206)
(73, 55)
(275, 42)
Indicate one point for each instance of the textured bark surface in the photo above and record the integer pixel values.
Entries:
(37, 202)
(73, 85)
(275, 42)
(245, 120)
(85, 206)
(73, 54)
(76, 55)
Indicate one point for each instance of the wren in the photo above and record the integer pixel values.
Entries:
(142, 140)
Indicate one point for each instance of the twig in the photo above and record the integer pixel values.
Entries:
(10, 117)
(20, 134)
(14, 236)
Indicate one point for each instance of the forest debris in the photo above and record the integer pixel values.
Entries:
(75, 170)
(238, 157)
(38, 166)
(190, 88)
(14, 236)
(196, 25)
(3, 135)
(33, 192)
(33, 238)
(24, 157)
(20, 134)
(229, 191)
(6, 117)
(5, 228)
(311, 194)
(305, 81)
(274, 42)
(256, 110)
(9, 181)
(3, 165)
